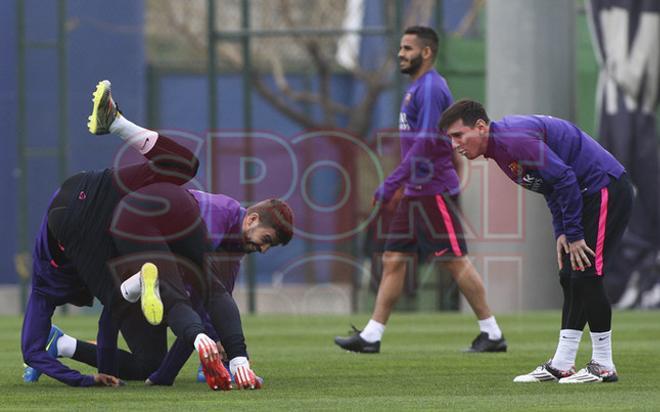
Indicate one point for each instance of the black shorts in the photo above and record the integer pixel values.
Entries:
(428, 226)
(605, 215)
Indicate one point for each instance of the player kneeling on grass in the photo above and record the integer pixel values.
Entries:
(590, 197)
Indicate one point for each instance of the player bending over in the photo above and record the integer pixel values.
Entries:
(590, 197)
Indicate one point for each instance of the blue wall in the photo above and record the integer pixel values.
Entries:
(8, 135)
(105, 40)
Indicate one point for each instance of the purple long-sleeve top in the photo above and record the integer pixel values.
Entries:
(223, 217)
(53, 284)
(553, 157)
(426, 166)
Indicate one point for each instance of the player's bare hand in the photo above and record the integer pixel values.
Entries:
(243, 375)
(382, 205)
(101, 379)
(579, 252)
(562, 247)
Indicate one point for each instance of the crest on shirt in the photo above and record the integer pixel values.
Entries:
(407, 98)
(515, 168)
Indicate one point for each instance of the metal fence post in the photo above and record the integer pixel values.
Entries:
(249, 151)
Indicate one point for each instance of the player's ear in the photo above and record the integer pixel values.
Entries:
(253, 218)
(427, 53)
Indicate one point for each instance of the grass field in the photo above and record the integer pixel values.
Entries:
(420, 367)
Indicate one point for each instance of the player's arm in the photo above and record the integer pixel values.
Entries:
(106, 344)
(568, 198)
(416, 157)
(566, 201)
(172, 364)
(226, 321)
(34, 340)
(557, 216)
(558, 226)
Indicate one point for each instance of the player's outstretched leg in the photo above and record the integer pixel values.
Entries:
(31, 374)
(594, 372)
(152, 305)
(104, 111)
(544, 373)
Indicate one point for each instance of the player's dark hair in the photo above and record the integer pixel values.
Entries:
(469, 111)
(427, 35)
(276, 214)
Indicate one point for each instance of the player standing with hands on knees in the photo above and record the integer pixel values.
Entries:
(425, 223)
(590, 197)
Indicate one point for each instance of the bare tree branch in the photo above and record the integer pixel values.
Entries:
(470, 17)
(303, 96)
(282, 105)
(181, 21)
(322, 66)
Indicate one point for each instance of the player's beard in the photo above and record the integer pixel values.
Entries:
(414, 65)
(248, 245)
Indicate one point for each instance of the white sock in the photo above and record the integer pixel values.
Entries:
(601, 344)
(373, 332)
(567, 348)
(489, 325)
(66, 346)
(131, 288)
(140, 138)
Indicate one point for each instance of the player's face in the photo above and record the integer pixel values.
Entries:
(257, 237)
(470, 142)
(410, 54)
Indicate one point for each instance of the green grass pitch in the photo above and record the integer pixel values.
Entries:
(420, 367)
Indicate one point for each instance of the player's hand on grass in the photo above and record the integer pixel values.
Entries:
(579, 251)
(206, 348)
(217, 377)
(243, 375)
(101, 379)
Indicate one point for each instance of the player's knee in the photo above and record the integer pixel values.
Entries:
(394, 262)
(457, 266)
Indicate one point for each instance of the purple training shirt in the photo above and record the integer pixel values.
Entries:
(553, 157)
(426, 166)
